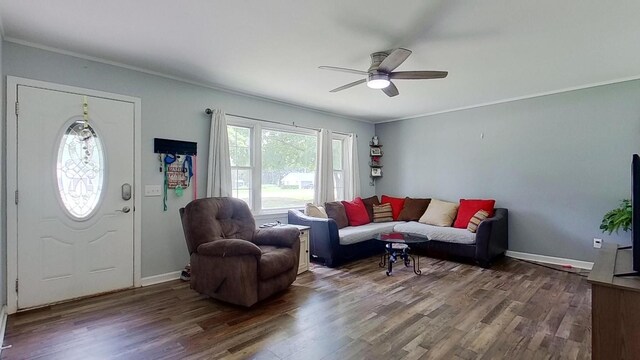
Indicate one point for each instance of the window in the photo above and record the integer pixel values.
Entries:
(241, 162)
(80, 169)
(288, 169)
(273, 167)
(338, 168)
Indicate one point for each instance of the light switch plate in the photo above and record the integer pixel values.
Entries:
(152, 190)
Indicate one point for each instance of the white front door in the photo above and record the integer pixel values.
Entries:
(75, 202)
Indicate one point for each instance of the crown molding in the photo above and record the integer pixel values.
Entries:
(228, 90)
(180, 79)
(518, 98)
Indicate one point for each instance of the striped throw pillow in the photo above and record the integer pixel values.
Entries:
(382, 213)
(476, 220)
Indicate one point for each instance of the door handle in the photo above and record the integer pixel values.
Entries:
(125, 209)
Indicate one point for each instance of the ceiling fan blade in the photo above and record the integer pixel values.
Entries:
(409, 75)
(393, 60)
(362, 81)
(351, 71)
(391, 90)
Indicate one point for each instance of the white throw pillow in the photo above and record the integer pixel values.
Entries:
(315, 211)
(440, 213)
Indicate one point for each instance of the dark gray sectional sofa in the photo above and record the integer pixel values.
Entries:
(333, 247)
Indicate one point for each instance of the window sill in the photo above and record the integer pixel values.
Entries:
(274, 213)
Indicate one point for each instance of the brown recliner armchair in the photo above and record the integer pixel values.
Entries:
(231, 260)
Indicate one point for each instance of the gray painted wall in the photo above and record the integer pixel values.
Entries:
(170, 109)
(557, 162)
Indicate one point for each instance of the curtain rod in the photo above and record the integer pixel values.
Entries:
(208, 111)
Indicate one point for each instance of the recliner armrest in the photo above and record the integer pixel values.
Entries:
(283, 236)
(229, 247)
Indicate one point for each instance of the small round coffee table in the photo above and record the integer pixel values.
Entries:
(397, 246)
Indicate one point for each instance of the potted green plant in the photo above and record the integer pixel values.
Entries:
(617, 218)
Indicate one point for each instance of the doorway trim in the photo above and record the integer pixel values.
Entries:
(11, 176)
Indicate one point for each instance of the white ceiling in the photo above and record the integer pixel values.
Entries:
(494, 50)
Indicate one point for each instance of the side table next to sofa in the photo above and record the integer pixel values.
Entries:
(303, 265)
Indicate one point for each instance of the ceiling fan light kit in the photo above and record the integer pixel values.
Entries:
(381, 72)
(378, 81)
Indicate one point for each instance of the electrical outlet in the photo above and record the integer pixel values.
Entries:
(152, 190)
(597, 243)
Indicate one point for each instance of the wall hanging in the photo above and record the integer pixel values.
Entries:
(177, 163)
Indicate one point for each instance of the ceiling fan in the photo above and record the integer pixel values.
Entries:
(381, 72)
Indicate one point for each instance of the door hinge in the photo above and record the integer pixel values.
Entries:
(16, 285)
(17, 108)
(16, 197)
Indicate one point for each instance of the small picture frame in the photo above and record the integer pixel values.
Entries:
(376, 172)
(376, 151)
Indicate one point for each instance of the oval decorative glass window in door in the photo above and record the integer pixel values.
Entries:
(80, 169)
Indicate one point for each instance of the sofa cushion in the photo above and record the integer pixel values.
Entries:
(476, 220)
(439, 213)
(382, 213)
(316, 211)
(335, 210)
(469, 207)
(356, 212)
(439, 233)
(275, 260)
(413, 209)
(355, 234)
(368, 203)
(396, 204)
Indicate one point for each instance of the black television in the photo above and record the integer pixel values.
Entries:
(635, 216)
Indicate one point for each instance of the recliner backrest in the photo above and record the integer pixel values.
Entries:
(210, 219)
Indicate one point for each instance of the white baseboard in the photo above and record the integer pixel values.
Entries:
(157, 279)
(3, 325)
(550, 259)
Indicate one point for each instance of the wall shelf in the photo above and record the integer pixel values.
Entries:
(375, 164)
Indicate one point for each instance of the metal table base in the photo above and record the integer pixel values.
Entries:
(391, 255)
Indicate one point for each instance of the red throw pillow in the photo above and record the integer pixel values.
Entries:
(469, 207)
(396, 205)
(356, 212)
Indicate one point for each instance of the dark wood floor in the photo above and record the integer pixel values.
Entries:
(515, 310)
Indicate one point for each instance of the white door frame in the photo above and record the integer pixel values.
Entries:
(11, 184)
